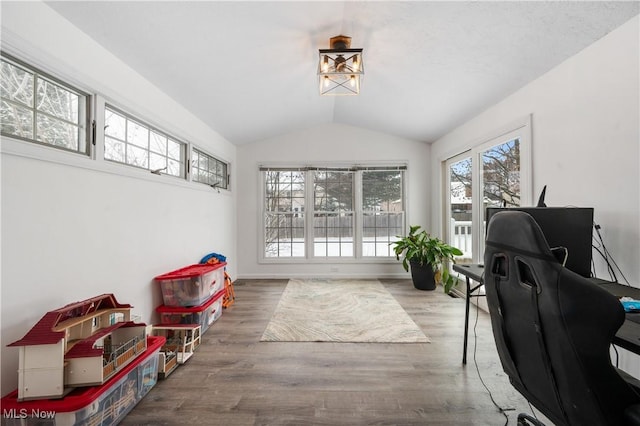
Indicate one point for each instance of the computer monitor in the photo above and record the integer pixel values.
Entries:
(569, 227)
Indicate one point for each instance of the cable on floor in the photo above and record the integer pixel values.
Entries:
(532, 411)
(475, 362)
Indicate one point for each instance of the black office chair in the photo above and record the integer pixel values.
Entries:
(553, 329)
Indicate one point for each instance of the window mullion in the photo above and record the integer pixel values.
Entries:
(148, 147)
(477, 204)
(358, 214)
(98, 117)
(189, 156)
(45, 114)
(309, 207)
(35, 107)
(126, 139)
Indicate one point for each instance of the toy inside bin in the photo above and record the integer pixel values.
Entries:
(192, 285)
(204, 315)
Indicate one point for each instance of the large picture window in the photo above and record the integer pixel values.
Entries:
(38, 108)
(354, 212)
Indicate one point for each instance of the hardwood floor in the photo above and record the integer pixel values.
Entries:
(234, 379)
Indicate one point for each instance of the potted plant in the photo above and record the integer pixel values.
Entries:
(428, 257)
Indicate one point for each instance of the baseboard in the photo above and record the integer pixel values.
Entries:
(337, 276)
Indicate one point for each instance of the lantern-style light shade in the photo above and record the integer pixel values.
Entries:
(340, 68)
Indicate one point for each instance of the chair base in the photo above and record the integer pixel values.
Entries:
(526, 420)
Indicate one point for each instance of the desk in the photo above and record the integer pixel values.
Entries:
(471, 272)
(627, 336)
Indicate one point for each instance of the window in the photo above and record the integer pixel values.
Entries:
(38, 108)
(333, 213)
(208, 170)
(493, 174)
(129, 141)
(383, 211)
(356, 212)
(460, 205)
(284, 200)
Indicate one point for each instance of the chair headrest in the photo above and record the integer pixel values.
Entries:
(517, 231)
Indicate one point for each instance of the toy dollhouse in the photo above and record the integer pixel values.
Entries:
(81, 344)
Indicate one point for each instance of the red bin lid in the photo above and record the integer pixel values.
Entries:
(190, 271)
(81, 397)
(162, 309)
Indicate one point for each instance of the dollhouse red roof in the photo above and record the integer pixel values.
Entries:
(43, 332)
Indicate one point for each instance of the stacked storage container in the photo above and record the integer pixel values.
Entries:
(106, 404)
(192, 295)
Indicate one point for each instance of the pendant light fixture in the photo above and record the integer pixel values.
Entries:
(340, 68)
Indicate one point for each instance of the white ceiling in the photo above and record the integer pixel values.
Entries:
(248, 69)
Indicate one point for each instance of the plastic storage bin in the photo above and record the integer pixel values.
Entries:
(192, 285)
(107, 404)
(205, 314)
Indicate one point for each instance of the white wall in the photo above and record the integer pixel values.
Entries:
(73, 227)
(328, 144)
(586, 138)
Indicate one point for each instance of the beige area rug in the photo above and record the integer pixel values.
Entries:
(340, 311)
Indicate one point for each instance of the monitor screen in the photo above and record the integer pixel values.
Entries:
(569, 227)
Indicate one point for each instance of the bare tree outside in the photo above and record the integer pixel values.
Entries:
(38, 109)
(500, 173)
(284, 213)
(128, 140)
(383, 208)
(334, 211)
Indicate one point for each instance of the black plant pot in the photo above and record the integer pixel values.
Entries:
(422, 276)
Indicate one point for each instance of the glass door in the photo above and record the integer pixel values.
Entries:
(495, 173)
(460, 205)
(500, 179)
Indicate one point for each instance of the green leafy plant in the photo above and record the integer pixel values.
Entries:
(422, 248)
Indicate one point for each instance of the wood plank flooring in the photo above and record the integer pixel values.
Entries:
(234, 379)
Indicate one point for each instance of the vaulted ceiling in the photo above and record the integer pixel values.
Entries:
(249, 69)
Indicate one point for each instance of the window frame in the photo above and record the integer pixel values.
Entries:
(93, 132)
(265, 212)
(85, 110)
(224, 178)
(184, 146)
(309, 211)
(388, 213)
(316, 241)
(520, 129)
